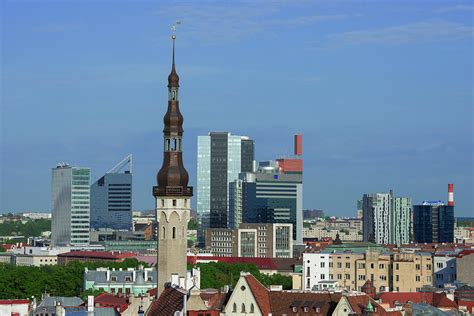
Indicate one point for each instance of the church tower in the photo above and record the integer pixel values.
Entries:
(172, 194)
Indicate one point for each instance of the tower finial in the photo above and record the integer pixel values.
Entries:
(173, 78)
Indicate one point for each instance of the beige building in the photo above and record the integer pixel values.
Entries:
(402, 272)
(28, 260)
(345, 234)
(251, 240)
(411, 271)
(465, 268)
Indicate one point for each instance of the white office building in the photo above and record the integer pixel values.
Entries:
(70, 206)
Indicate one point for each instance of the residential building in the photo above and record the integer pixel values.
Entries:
(15, 307)
(111, 198)
(117, 281)
(312, 214)
(221, 157)
(251, 240)
(386, 218)
(70, 205)
(465, 266)
(411, 271)
(55, 305)
(444, 264)
(433, 222)
(345, 234)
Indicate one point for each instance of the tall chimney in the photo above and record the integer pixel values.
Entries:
(298, 144)
(451, 194)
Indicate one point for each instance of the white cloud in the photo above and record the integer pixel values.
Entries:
(458, 7)
(429, 31)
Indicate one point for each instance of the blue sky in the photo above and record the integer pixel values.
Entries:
(382, 92)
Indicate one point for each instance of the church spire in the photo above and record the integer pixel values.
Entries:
(172, 179)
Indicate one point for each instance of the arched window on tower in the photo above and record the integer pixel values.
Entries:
(163, 232)
(243, 308)
(234, 308)
(174, 232)
(252, 308)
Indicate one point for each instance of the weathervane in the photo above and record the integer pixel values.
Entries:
(173, 29)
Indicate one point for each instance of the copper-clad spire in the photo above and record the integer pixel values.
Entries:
(173, 78)
(173, 178)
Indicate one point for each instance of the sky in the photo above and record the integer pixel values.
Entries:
(381, 90)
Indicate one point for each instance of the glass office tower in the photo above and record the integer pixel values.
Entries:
(221, 157)
(70, 205)
(433, 222)
(111, 198)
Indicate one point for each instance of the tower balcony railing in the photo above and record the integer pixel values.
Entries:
(173, 191)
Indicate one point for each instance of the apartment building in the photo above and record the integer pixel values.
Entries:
(251, 240)
(403, 272)
(411, 271)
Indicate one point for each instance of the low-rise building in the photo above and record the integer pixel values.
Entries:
(93, 256)
(117, 281)
(15, 307)
(251, 240)
(465, 267)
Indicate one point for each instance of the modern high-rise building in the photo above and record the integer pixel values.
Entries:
(386, 218)
(433, 222)
(70, 205)
(221, 157)
(111, 198)
(269, 196)
(172, 193)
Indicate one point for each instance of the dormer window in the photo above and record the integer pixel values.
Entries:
(294, 309)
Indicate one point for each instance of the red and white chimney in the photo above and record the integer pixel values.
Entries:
(451, 194)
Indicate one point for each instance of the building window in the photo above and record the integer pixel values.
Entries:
(417, 278)
(174, 232)
(163, 232)
(234, 308)
(322, 264)
(339, 265)
(252, 308)
(243, 308)
(174, 202)
(348, 265)
(114, 279)
(418, 266)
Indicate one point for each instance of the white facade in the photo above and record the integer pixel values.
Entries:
(14, 307)
(315, 271)
(444, 270)
(70, 205)
(386, 219)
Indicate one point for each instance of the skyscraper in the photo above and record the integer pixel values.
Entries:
(386, 218)
(172, 194)
(269, 196)
(433, 222)
(70, 205)
(221, 157)
(111, 198)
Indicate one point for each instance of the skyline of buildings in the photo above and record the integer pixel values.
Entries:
(221, 156)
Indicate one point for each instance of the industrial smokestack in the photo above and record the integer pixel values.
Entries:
(451, 194)
(298, 144)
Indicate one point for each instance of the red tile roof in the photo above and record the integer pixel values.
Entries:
(110, 300)
(170, 301)
(260, 293)
(261, 263)
(283, 302)
(359, 304)
(14, 302)
(439, 300)
(97, 254)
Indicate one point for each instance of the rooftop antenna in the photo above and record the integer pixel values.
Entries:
(122, 164)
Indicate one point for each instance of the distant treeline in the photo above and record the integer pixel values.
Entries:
(22, 282)
(465, 221)
(32, 228)
(218, 274)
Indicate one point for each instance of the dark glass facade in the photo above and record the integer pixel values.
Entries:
(433, 223)
(111, 202)
(218, 202)
(246, 155)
